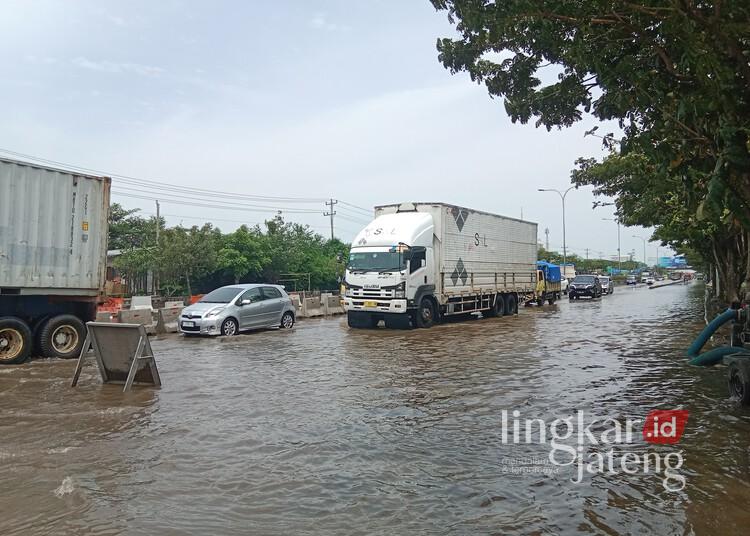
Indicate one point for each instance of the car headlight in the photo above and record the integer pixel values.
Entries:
(215, 311)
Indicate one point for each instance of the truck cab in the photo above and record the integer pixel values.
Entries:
(391, 265)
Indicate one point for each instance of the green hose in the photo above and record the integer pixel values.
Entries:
(714, 356)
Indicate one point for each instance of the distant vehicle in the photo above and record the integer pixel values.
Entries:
(649, 280)
(608, 286)
(631, 280)
(548, 283)
(675, 276)
(564, 283)
(585, 285)
(231, 309)
(645, 276)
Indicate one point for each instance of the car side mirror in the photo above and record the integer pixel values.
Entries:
(246, 302)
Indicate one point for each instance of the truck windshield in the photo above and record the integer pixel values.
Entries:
(376, 261)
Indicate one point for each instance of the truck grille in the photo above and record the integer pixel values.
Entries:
(372, 293)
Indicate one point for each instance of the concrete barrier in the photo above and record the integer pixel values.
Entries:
(106, 316)
(167, 319)
(141, 303)
(138, 316)
(174, 304)
(311, 307)
(332, 305)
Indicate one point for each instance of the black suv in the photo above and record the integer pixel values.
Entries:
(585, 285)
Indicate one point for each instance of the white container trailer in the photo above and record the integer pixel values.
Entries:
(53, 250)
(418, 262)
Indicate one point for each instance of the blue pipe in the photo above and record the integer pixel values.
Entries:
(714, 356)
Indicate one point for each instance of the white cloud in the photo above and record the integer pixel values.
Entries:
(320, 22)
(106, 66)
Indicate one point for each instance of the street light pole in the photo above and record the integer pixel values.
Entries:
(562, 198)
(619, 257)
(645, 262)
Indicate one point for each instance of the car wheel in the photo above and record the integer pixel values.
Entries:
(229, 327)
(287, 320)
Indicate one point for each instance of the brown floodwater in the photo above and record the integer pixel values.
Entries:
(327, 430)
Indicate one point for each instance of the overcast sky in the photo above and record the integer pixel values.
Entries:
(305, 99)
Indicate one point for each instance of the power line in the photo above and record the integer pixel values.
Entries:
(162, 185)
(365, 210)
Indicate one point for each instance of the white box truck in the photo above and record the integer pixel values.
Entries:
(53, 255)
(416, 263)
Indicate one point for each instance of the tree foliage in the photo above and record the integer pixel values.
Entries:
(674, 74)
(198, 259)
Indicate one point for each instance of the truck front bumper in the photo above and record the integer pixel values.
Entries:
(375, 305)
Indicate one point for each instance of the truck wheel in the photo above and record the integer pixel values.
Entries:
(497, 309)
(425, 315)
(551, 300)
(62, 336)
(738, 378)
(15, 341)
(511, 304)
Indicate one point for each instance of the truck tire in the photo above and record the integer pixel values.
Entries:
(15, 341)
(62, 336)
(498, 308)
(738, 380)
(425, 313)
(511, 304)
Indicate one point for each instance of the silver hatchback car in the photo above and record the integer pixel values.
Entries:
(231, 309)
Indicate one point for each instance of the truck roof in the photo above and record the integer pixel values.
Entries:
(54, 169)
(449, 205)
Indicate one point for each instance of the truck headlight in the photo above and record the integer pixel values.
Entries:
(400, 291)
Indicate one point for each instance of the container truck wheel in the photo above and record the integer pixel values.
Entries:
(425, 315)
(511, 304)
(738, 378)
(15, 341)
(62, 336)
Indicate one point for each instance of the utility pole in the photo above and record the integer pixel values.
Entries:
(546, 238)
(645, 261)
(331, 213)
(158, 222)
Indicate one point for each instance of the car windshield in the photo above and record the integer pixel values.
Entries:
(584, 279)
(604, 279)
(376, 261)
(221, 295)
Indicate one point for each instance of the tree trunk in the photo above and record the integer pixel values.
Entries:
(236, 280)
(187, 279)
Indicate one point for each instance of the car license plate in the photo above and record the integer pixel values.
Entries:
(188, 324)
(371, 304)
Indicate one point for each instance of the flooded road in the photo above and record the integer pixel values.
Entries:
(326, 430)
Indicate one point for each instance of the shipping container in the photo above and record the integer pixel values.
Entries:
(53, 230)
